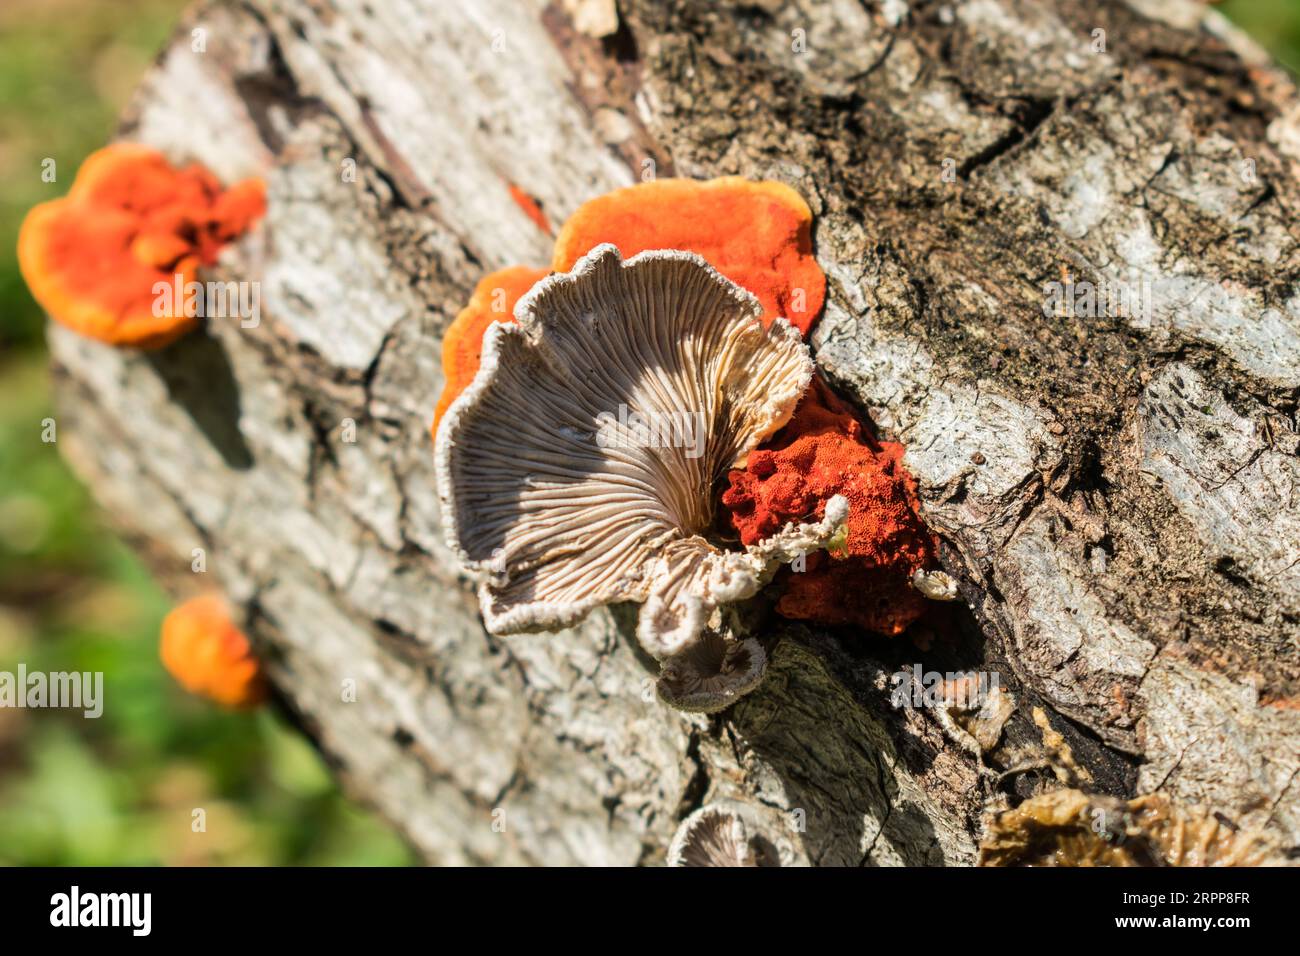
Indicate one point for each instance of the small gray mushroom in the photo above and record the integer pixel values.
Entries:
(936, 585)
(713, 673)
(712, 836)
(731, 833)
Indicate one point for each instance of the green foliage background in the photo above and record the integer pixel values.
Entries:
(121, 789)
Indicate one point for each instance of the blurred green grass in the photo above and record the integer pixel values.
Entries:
(1275, 24)
(121, 789)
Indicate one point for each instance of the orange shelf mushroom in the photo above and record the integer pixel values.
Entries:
(757, 234)
(209, 656)
(131, 219)
(823, 451)
(493, 300)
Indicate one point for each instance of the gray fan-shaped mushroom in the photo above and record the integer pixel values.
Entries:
(712, 673)
(731, 833)
(580, 468)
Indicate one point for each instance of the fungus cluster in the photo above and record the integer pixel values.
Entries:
(824, 451)
(209, 656)
(560, 521)
(131, 220)
(580, 467)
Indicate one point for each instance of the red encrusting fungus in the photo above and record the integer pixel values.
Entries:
(757, 234)
(493, 300)
(209, 656)
(131, 219)
(824, 451)
(531, 209)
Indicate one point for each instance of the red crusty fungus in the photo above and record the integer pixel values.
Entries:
(131, 220)
(493, 300)
(757, 234)
(824, 451)
(209, 656)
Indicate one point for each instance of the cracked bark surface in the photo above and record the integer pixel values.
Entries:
(1116, 496)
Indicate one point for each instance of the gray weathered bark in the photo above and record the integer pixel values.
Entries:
(1117, 497)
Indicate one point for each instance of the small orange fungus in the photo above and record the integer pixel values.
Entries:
(493, 300)
(209, 656)
(824, 451)
(131, 219)
(757, 234)
(531, 209)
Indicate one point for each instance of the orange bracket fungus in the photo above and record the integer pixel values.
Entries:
(131, 221)
(878, 579)
(757, 234)
(579, 468)
(209, 656)
(493, 300)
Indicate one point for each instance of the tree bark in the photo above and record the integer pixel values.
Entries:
(1117, 496)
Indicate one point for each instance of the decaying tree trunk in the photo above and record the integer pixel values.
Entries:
(1118, 496)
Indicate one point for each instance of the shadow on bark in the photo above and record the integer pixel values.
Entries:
(199, 378)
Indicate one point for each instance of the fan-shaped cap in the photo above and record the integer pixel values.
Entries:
(731, 833)
(131, 220)
(713, 673)
(712, 837)
(580, 467)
